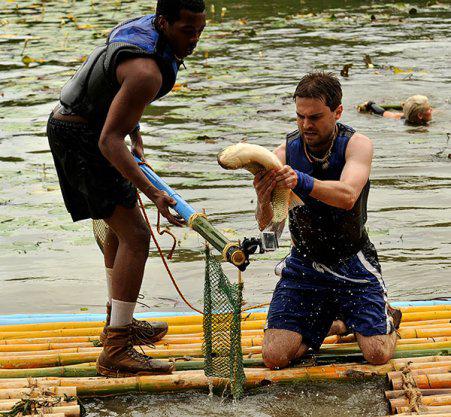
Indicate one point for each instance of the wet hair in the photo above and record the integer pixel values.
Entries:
(170, 9)
(321, 85)
(413, 106)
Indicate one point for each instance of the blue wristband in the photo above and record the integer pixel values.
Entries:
(305, 184)
(136, 129)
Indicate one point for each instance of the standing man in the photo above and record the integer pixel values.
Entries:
(333, 269)
(99, 178)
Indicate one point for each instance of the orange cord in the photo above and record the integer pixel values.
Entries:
(163, 258)
(171, 252)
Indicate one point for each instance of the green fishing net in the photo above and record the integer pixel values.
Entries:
(222, 327)
(100, 229)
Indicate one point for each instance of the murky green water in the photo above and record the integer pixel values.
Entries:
(238, 85)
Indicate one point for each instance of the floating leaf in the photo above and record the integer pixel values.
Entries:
(27, 60)
(397, 70)
(84, 27)
(180, 86)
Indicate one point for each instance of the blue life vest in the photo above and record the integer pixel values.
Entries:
(319, 231)
(91, 90)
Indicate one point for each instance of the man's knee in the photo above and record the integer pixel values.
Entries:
(377, 356)
(280, 347)
(274, 358)
(377, 350)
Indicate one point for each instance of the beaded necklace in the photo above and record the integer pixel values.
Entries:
(324, 161)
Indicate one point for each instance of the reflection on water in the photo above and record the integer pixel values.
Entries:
(237, 85)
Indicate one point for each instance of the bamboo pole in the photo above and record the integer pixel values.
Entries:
(41, 346)
(252, 328)
(417, 309)
(196, 379)
(46, 340)
(337, 349)
(423, 365)
(426, 371)
(422, 323)
(425, 381)
(425, 392)
(46, 415)
(196, 343)
(423, 359)
(410, 333)
(426, 410)
(7, 405)
(33, 392)
(72, 358)
(171, 321)
(423, 313)
(431, 400)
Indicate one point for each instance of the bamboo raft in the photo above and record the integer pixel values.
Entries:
(48, 365)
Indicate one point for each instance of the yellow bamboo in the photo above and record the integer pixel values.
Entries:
(196, 379)
(171, 321)
(410, 333)
(422, 359)
(423, 323)
(426, 410)
(33, 392)
(432, 400)
(410, 313)
(426, 381)
(95, 331)
(404, 394)
(196, 342)
(249, 328)
(416, 309)
(46, 340)
(423, 371)
(51, 333)
(426, 315)
(80, 355)
(423, 365)
(41, 346)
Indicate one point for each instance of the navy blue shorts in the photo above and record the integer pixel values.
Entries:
(310, 296)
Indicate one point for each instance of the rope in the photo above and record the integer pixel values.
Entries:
(410, 388)
(163, 259)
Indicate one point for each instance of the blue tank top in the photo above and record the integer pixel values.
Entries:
(319, 231)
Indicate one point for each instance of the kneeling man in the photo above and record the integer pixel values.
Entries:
(333, 269)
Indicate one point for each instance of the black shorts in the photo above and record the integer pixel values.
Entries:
(91, 186)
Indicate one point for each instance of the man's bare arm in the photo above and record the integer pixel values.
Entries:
(345, 192)
(140, 81)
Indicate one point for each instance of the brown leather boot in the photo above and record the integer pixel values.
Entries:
(144, 333)
(119, 359)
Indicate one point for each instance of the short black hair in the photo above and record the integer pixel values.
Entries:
(321, 85)
(170, 9)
